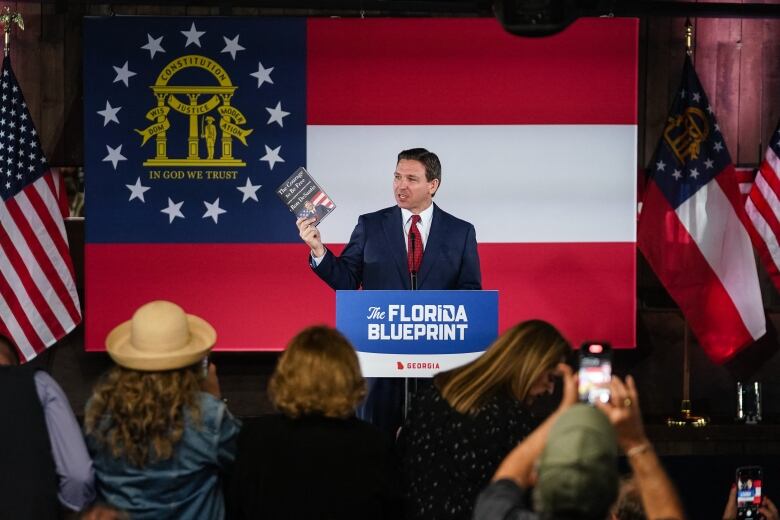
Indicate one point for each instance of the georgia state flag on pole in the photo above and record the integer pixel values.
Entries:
(692, 228)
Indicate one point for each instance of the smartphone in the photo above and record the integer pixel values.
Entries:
(749, 496)
(595, 372)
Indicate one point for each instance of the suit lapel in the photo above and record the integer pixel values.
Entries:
(433, 246)
(395, 237)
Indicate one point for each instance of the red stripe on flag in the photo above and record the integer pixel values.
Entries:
(55, 231)
(265, 307)
(759, 235)
(391, 71)
(690, 280)
(42, 258)
(18, 314)
(587, 290)
(555, 282)
(23, 265)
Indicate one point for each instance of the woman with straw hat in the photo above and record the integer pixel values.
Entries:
(158, 432)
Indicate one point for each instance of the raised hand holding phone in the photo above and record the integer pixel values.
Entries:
(749, 481)
(595, 372)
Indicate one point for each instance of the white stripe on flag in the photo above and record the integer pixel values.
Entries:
(523, 183)
(52, 205)
(723, 240)
(764, 230)
(28, 306)
(47, 241)
(39, 277)
(15, 330)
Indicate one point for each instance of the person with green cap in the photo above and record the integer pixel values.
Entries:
(576, 478)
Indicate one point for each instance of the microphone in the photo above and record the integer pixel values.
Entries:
(413, 270)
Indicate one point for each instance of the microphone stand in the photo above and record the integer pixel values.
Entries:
(413, 284)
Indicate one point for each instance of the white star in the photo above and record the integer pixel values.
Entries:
(123, 74)
(249, 190)
(709, 109)
(696, 96)
(109, 114)
(677, 174)
(709, 163)
(193, 35)
(114, 155)
(263, 75)
(272, 156)
(717, 127)
(213, 210)
(660, 165)
(154, 45)
(717, 146)
(682, 93)
(277, 114)
(137, 190)
(694, 173)
(232, 46)
(173, 210)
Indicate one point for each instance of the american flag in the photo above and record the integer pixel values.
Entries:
(763, 209)
(692, 227)
(38, 299)
(323, 199)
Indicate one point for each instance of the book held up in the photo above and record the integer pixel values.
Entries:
(305, 198)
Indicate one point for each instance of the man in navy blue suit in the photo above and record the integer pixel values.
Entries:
(376, 256)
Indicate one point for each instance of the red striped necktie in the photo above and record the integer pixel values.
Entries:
(414, 251)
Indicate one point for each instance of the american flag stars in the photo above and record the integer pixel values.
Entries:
(21, 158)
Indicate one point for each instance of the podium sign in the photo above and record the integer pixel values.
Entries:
(416, 333)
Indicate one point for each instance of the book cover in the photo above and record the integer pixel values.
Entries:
(305, 198)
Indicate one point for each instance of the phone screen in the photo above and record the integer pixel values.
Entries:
(749, 496)
(595, 372)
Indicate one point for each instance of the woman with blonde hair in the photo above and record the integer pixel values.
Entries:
(159, 434)
(315, 459)
(460, 428)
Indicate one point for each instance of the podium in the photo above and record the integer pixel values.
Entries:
(416, 334)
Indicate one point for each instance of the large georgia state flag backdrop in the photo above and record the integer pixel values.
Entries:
(537, 139)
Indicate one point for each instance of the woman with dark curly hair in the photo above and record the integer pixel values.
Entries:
(158, 432)
(315, 459)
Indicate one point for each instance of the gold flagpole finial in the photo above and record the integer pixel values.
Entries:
(688, 37)
(8, 19)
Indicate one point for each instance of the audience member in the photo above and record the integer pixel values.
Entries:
(577, 476)
(158, 431)
(42, 453)
(629, 503)
(102, 511)
(768, 510)
(315, 459)
(460, 428)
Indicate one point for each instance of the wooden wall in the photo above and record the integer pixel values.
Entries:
(737, 60)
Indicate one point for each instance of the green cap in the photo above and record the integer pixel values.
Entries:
(578, 475)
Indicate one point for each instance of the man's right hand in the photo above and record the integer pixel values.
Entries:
(309, 234)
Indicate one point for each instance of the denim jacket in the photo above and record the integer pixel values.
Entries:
(185, 486)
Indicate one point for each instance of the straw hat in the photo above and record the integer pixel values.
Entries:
(160, 336)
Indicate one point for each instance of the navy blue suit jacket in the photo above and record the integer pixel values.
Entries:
(375, 257)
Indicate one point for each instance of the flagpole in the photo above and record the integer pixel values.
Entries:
(8, 19)
(686, 417)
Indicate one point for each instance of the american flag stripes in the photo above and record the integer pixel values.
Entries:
(38, 299)
(763, 209)
(321, 198)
